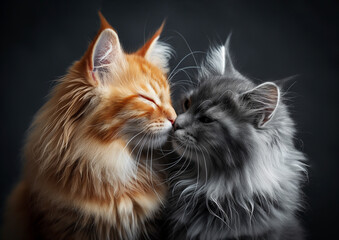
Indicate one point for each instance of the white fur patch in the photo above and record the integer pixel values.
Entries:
(114, 158)
(215, 62)
(159, 54)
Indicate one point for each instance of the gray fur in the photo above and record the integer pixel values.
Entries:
(240, 176)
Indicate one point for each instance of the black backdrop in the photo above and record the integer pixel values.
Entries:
(271, 40)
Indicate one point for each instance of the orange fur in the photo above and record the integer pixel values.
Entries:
(82, 179)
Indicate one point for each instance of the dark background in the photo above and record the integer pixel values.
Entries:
(271, 40)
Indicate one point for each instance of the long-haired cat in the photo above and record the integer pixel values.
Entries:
(86, 172)
(240, 176)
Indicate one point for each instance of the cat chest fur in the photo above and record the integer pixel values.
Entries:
(116, 202)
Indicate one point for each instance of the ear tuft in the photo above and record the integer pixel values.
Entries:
(262, 101)
(229, 68)
(219, 62)
(157, 52)
(159, 55)
(214, 65)
(104, 23)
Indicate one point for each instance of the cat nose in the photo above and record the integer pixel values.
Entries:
(171, 116)
(171, 120)
(176, 126)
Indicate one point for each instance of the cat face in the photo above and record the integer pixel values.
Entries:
(221, 117)
(130, 93)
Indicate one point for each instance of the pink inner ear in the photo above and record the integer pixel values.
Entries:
(103, 53)
(267, 115)
(93, 76)
(106, 50)
(271, 96)
(107, 57)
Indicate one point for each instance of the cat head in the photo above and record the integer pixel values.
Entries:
(108, 96)
(127, 94)
(227, 116)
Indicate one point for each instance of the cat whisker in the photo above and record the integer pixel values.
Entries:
(194, 194)
(171, 165)
(183, 70)
(170, 178)
(187, 81)
(138, 156)
(184, 81)
(152, 138)
(181, 170)
(188, 46)
(188, 189)
(187, 55)
(133, 138)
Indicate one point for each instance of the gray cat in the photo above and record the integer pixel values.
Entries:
(240, 175)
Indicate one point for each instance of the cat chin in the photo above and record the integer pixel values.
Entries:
(182, 149)
(190, 152)
(157, 138)
(148, 141)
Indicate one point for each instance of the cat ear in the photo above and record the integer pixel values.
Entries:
(157, 52)
(262, 102)
(219, 62)
(107, 56)
(104, 56)
(214, 65)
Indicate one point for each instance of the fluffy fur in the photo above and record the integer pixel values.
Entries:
(88, 170)
(239, 174)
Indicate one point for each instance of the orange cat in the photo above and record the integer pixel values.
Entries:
(86, 174)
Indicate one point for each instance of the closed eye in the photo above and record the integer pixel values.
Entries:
(150, 100)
